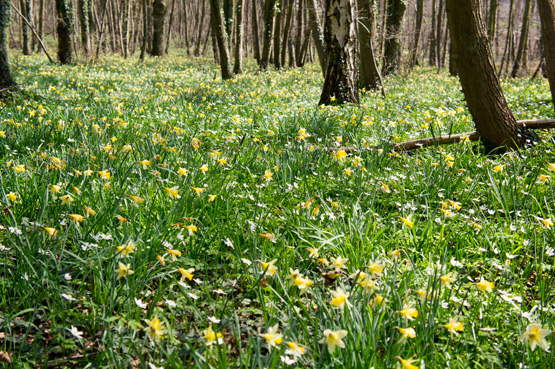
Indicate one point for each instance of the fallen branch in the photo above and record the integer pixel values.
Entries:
(451, 139)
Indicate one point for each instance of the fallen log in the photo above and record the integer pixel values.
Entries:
(451, 139)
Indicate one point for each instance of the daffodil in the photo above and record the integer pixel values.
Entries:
(182, 172)
(51, 231)
(409, 312)
(454, 325)
(547, 223)
(191, 228)
(136, 200)
(268, 268)
(339, 298)
(447, 280)
(186, 273)
(155, 329)
(212, 337)
(66, 199)
(12, 196)
(55, 188)
(76, 218)
(409, 223)
(197, 190)
(212, 197)
(104, 174)
(535, 336)
(499, 168)
(89, 211)
(333, 339)
(407, 364)
(376, 268)
(123, 270)
(407, 332)
(173, 192)
(144, 163)
(340, 155)
(339, 262)
(272, 337)
(174, 253)
(126, 249)
(294, 349)
(204, 168)
(268, 175)
(485, 286)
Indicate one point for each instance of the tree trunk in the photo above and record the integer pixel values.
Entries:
(287, 31)
(269, 11)
(221, 38)
(546, 9)
(255, 32)
(83, 14)
(492, 20)
(413, 60)
(170, 23)
(492, 116)
(299, 34)
(317, 34)
(159, 9)
(432, 58)
(370, 78)
(392, 48)
(25, 6)
(341, 82)
(6, 78)
(277, 35)
(186, 28)
(508, 43)
(40, 29)
(523, 43)
(64, 30)
(439, 25)
(228, 20)
(238, 67)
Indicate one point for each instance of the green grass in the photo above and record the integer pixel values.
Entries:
(279, 195)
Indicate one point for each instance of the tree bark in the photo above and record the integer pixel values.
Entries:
(492, 116)
(413, 60)
(546, 9)
(269, 10)
(370, 78)
(287, 31)
(492, 21)
(159, 9)
(508, 43)
(25, 6)
(221, 38)
(341, 82)
(64, 30)
(392, 48)
(238, 67)
(317, 33)
(170, 23)
(277, 35)
(255, 32)
(6, 78)
(520, 62)
(186, 28)
(83, 14)
(432, 58)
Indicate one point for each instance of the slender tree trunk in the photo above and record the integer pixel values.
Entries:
(269, 11)
(228, 20)
(221, 38)
(200, 27)
(341, 82)
(439, 24)
(492, 21)
(494, 119)
(145, 30)
(6, 78)
(40, 29)
(26, 10)
(238, 67)
(317, 33)
(299, 34)
(417, 32)
(255, 31)
(277, 35)
(546, 9)
(185, 27)
(508, 43)
(159, 9)
(523, 43)
(170, 23)
(287, 31)
(64, 30)
(370, 78)
(433, 41)
(392, 48)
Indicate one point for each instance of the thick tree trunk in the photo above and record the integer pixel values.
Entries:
(83, 14)
(492, 116)
(25, 6)
(341, 82)
(64, 30)
(269, 10)
(370, 78)
(520, 62)
(221, 38)
(392, 48)
(6, 78)
(317, 34)
(159, 9)
(413, 60)
(238, 67)
(546, 9)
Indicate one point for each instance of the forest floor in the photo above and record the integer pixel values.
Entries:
(156, 216)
